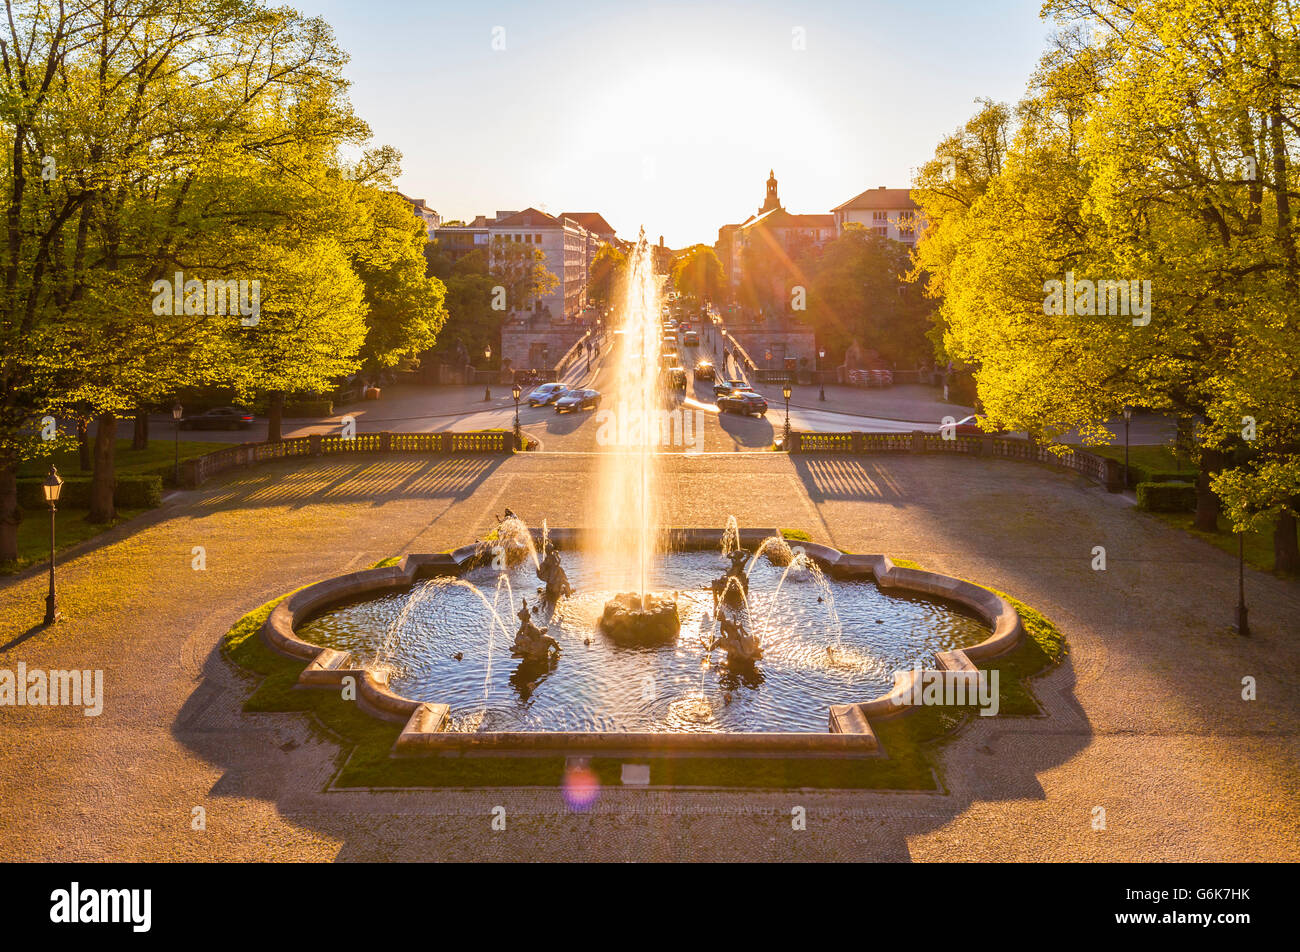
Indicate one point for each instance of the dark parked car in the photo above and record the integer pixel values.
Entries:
(547, 394)
(726, 386)
(218, 418)
(691, 339)
(742, 401)
(704, 370)
(578, 400)
(677, 378)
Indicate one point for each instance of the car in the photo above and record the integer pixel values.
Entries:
(677, 378)
(578, 400)
(704, 370)
(691, 339)
(547, 394)
(742, 401)
(970, 426)
(726, 386)
(218, 418)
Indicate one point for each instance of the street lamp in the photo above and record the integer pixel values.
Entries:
(821, 355)
(519, 443)
(177, 412)
(52, 486)
(785, 440)
(1128, 415)
(487, 358)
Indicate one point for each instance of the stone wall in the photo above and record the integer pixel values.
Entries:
(539, 346)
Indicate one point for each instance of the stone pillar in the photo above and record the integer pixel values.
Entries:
(385, 441)
(918, 441)
(314, 444)
(1114, 475)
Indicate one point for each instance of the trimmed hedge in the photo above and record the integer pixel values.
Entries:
(1166, 497)
(309, 408)
(133, 492)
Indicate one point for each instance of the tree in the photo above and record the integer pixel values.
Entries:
(697, 274)
(520, 268)
(859, 289)
(1148, 152)
(607, 276)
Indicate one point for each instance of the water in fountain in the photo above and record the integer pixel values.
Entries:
(514, 541)
(627, 498)
(382, 665)
(776, 549)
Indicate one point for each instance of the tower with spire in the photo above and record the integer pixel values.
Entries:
(772, 201)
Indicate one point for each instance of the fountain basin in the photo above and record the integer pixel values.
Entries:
(428, 720)
(630, 619)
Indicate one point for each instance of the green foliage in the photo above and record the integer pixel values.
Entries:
(605, 284)
(859, 290)
(697, 275)
(132, 491)
(1144, 150)
(1166, 497)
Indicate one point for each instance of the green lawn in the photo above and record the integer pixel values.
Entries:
(72, 527)
(1259, 543)
(1144, 460)
(158, 455)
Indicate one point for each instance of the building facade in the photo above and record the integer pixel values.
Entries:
(886, 212)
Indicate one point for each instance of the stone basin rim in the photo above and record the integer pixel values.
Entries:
(849, 725)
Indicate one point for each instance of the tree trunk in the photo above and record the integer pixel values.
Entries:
(1207, 504)
(1286, 555)
(140, 436)
(274, 412)
(104, 481)
(83, 444)
(10, 514)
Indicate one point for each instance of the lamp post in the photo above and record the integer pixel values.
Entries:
(1128, 415)
(52, 486)
(518, 431)
(177, 412)
(821, 355)
(785, 439)
(487, 358)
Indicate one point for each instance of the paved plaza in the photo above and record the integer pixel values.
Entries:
(1145, 719)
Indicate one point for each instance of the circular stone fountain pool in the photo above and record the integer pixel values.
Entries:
(441, 642)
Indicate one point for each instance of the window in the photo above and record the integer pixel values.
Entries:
(880, 216)
(538, 239)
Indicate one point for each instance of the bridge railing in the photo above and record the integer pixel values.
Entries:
(1102, 469)
(195, 471)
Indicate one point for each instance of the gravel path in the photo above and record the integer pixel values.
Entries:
(1145, 721)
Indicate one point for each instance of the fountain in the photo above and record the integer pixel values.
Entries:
(627, 486)
(732, 589)
(531, 642)
(556, 582)
(741, 646)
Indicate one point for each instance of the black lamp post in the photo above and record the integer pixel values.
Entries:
(52, 486)
(821, 355)
(177, 412)
(518, 431)
(487, 358)
(1128, 415)
(1243, 624)
(785, 440)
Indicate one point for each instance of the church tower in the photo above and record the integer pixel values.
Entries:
(772, 200)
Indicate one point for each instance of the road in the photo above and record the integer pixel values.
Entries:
(692, 424)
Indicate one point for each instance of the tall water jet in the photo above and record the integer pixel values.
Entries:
(627, 516)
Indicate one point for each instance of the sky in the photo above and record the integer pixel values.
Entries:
(669, 115)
